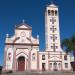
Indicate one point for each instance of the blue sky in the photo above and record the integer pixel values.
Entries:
(12, 12)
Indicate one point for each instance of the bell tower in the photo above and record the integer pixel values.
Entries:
(52, 33)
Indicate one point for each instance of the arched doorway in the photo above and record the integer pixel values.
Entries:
(21, 63)
(55, 66)
(43, 66)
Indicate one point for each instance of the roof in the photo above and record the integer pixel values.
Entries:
(53, 5)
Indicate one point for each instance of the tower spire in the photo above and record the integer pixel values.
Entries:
(51, 2)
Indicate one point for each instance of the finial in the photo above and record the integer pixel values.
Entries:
(7, 35)
(51, 2)
(15, 25)
(23, 21)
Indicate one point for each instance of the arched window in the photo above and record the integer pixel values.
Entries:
(55, 12)
(43, 57)
(33, 56)
(65, 57)
(52, 12)
(9, 56)
(48, 12)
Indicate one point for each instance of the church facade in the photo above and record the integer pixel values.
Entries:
(22, 53)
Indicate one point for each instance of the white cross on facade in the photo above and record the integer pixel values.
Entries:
(53, 28)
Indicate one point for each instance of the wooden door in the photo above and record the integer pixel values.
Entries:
(21, 64)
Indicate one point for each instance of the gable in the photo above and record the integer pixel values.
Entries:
(23, 26)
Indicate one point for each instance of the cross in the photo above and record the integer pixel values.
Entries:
(54, 47)
(53, 28)
(51, 2)
(23, 21)
(52, 20)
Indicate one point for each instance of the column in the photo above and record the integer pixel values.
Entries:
(29, 61)
(14, 60)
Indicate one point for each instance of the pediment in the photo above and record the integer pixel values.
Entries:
(55, 58)
(23, 26)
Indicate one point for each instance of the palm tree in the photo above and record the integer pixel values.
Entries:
(69, 45)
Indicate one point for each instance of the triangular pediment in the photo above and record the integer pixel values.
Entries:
(23, 26)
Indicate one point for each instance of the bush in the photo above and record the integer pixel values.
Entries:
(73, 65)
(0, 69)
(10, 71)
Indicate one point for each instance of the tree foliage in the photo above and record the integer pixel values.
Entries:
(69, 45)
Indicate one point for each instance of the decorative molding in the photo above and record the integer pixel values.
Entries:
(24, 28)
(17, 38)
(26, 44)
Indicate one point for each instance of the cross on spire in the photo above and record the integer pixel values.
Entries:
(7, 35)
(51, 2)
(23, 21)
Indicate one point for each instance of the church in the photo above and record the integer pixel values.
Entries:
(21, 52)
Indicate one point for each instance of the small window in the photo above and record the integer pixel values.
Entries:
(9, 56)
(48, 12)
(48, 56)
(66, 65)
(43, 57)
(65, 57)
(33, 56)
(54, 20)
(55, 12)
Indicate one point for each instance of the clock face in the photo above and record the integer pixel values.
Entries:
(23, 34)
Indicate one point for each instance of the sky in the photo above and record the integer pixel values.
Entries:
(12, 12)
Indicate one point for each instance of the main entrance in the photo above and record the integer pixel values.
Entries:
(21, 63)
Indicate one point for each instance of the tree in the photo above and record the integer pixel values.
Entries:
(69, 45)
(0, 69)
